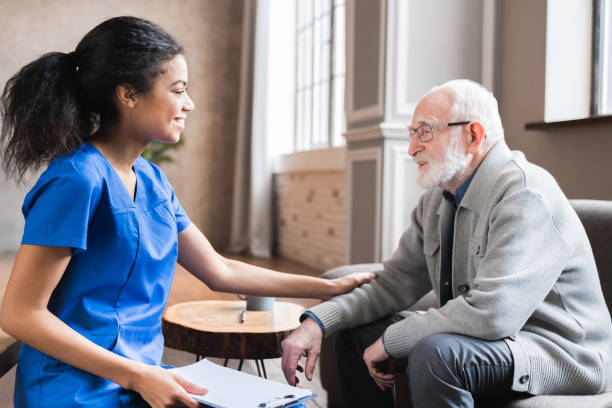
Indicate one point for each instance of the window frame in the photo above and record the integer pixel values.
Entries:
(599, 113)
(599, 64)
(304, 105)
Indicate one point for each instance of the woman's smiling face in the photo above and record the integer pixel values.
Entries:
(160, 114)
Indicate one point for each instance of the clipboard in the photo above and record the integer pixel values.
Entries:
(228, 388)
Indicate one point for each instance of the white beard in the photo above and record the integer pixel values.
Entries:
(454, 164)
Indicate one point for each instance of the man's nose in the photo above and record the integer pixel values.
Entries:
(415, 146)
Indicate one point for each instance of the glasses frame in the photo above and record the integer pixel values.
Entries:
(420, 132)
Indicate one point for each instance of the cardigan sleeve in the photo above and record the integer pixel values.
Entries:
(402, 281)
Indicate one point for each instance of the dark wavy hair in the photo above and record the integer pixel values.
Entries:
(57, 102)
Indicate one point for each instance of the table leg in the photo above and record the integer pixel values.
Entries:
(260, 371)
(257, 364)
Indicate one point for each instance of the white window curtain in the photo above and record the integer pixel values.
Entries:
(265, 118)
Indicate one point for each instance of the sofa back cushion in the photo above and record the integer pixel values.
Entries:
(596, 216)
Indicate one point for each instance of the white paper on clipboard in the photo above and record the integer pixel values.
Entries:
(228, 388)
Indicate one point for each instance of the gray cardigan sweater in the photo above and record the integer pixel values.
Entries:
(523, 271)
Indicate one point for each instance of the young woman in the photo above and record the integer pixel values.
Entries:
(104, 229)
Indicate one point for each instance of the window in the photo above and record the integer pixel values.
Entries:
(601, 102)
(319, 92)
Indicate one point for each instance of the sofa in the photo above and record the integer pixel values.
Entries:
(596, 216)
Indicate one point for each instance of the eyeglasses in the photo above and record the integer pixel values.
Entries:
(425, 131)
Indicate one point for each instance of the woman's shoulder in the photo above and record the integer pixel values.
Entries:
(80, 166)
(69, 178)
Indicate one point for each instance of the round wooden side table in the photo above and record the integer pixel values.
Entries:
(212, 328)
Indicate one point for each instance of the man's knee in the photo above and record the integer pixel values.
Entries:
(434, 358)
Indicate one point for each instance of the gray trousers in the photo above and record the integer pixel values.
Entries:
(443, 370)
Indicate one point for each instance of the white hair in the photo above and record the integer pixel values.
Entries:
(474, 102)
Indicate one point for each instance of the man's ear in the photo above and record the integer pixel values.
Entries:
(476, 136)
(126, 95)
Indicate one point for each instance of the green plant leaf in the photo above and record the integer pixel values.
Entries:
(157, 153)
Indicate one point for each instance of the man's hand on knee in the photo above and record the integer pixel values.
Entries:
(373, 358)
(305, 341)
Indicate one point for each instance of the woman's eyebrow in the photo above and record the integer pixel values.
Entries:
(179, 81)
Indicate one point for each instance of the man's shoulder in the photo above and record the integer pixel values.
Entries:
(530, 187)
(520, 174)
(506, 178)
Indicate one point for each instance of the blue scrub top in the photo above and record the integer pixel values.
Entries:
(116, 285)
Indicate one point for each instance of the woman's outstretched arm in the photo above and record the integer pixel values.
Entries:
(198, 256)
(36, 273)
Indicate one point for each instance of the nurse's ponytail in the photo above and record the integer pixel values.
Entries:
(57, 102)
(40, 113)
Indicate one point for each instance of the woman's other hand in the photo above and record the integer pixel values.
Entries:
(349, 282)
(161, 388)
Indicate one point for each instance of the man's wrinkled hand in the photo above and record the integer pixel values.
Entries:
(374, 358)
(305, 341)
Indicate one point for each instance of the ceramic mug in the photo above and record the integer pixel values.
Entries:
(258, 302)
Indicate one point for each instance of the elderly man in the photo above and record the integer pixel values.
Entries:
(521, 307)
